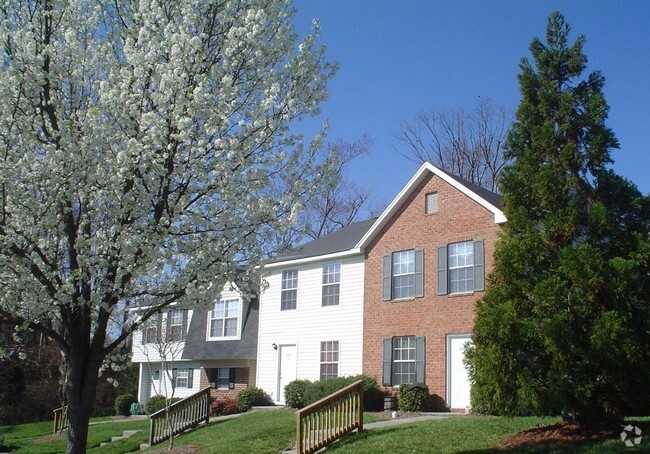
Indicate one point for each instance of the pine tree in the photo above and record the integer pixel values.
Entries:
(565, 324)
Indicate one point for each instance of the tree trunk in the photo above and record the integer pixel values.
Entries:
(81, 387)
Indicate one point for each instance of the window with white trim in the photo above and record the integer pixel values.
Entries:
(222, 378)
(225, 319)
(402, 275)
(403, 360)
(175, 325)
(289, 294)
(331, 284)
(150, 330)
(461, 267)
(329, 359)
(182, 378)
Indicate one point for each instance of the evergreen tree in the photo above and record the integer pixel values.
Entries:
(565, 323)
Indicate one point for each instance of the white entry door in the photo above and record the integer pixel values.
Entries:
(458, 383)
(286, 368)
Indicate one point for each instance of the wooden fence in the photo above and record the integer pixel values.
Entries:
(184, 414)
(325, 421)
(60, 418)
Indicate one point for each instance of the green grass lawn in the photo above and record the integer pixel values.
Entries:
(274, 431)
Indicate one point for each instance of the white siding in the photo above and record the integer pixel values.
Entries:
(154, 380)
(310, 323)
(142, 353)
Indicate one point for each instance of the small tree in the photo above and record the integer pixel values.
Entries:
(466, 144)
(565, 323)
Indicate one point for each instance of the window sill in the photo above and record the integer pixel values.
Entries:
(459, 294)
(221, 339)
(401, 300)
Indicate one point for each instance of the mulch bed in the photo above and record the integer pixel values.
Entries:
(560, 433)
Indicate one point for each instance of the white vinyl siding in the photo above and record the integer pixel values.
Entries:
(311, 323)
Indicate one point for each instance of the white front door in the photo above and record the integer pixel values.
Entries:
(286, 368)
(458, 383)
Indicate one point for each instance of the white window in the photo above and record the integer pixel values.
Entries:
(223, 378)
(182, 378)
(150, 330)
(224, 319)
(175, 324)
(329, 359)
(461, 267)
(331, 284)
(289, 296)
(403, 360)
(403, 274)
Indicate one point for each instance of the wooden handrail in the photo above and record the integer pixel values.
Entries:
(328, 419)
(184, 414)
(60, 418)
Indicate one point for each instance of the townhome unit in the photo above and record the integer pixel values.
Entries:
(426, 258)
(311, 312)
(182, 351)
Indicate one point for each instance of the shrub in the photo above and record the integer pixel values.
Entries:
(224, 406)
(123, 404)
(250, 396)
(372, 396)
(416, 398)
(157, 403)
(294, 393)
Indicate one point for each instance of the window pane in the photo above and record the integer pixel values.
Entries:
(216, 329)
(331, 295)
(289, 299)
(461, 262)
(231, 327)
(403, 360)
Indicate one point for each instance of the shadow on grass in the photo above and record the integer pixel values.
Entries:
(541, 446)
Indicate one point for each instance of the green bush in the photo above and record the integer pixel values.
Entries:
(373, 399)
(416, 398)
(157, 403)
(250, 396)
(123, 404)
(323, 388)
(294, 393)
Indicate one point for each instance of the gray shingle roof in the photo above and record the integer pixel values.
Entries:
(491, 197)
(339, 241)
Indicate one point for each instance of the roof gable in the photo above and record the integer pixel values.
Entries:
(487, 199)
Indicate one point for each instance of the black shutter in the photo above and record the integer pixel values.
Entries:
(184, 327)
(231, 378)
(168, 332)
(174, 376)
(419, 359)
(387, 369)
(442, 270)
(190, 377)
(158, 327)
(479, 268)
(386, 287)
(419, 273)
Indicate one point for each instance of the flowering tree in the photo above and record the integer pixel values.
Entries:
(137, 141)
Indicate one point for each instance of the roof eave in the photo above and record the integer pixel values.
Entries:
(315, 258)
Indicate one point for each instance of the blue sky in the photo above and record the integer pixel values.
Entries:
(401, 57)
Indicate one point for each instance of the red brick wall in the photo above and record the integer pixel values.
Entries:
(459, 218)
(241, 382)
